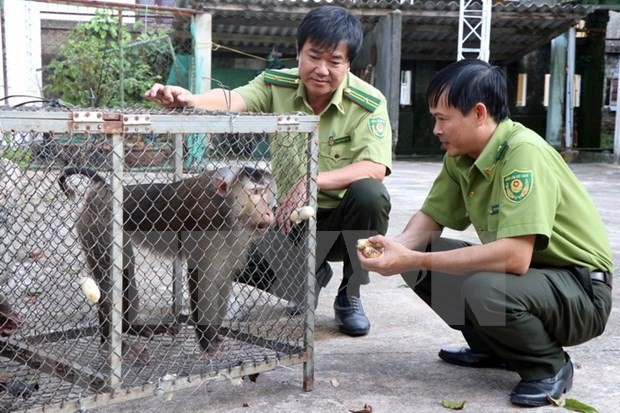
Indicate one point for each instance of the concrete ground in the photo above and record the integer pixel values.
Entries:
(395, 368)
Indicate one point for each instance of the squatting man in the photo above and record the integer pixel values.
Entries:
(355, 146)
(541, 278)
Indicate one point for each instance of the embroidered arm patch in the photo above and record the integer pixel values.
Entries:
(518, 185)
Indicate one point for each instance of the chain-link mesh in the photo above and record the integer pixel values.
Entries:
(178, 305)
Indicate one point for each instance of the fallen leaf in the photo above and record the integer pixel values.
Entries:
(31, 300)
(573, 405)
(366, 409)
(35, 255)
(335, 382)
(33, 293)
(449, 404)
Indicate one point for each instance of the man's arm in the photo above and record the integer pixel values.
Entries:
(341, 178)
(215, 99)
(507, 255)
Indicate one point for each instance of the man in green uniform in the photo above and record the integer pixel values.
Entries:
(541, 277)
(355, 142)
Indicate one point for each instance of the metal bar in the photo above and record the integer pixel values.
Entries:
(62, 122)
(177, 267)
(570, 89)
(154, 9)
(313, 171)
(179, 383)
(116, 317)
(40, 360)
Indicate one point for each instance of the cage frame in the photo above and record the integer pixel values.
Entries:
(118, 124)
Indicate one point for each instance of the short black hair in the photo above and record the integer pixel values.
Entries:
(468, 82)
(328, 26)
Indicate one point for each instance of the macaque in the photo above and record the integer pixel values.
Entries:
(211, 219)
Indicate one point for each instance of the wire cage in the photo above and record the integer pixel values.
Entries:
(125, 243)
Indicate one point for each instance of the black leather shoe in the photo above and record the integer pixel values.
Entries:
(463, 356)
(534, 393)
(323, 276)
(350, 315)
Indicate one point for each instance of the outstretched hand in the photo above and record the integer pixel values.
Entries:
(296, 198)
(169, 96)
(395, 258)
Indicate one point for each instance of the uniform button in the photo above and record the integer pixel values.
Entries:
(336, 156)
(471, 194)
(479, 229)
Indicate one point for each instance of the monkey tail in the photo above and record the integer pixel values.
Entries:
(74, 170)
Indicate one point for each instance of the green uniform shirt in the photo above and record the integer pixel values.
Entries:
(353, 127)
(520, 185)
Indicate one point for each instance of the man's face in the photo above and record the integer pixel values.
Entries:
(322, 70)
(456, 132)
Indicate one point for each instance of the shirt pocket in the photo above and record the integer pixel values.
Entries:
(336, 155)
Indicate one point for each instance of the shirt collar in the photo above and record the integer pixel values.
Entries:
(336, 99)
(492, 152)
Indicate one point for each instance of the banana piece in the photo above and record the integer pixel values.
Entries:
(90, 289)
(370, 252)
(363, 243)
(369, 249)
(302, 214)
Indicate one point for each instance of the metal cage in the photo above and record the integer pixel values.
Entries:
(58, 358)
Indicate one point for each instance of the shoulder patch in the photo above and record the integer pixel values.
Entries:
(518, 185)
(275, 77)
(377, 126)
(365, 100)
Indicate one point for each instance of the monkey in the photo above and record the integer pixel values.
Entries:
(211, 219)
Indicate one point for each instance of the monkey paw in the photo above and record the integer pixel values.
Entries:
(9, 320)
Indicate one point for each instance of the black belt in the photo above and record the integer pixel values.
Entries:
(604, 277)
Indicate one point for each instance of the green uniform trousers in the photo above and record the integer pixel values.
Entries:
(363, 211)
(526, 319)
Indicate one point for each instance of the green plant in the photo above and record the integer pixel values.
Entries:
(103, 65)
(15, 153)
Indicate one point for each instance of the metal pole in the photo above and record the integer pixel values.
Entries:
(570, 89)
(617, 128)
(115, 340)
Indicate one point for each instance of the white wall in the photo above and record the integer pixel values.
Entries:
(22, 43)
(22, 35)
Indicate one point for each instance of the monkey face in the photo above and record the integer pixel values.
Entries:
(256, 200)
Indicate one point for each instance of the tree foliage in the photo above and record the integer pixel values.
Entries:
(100, 57)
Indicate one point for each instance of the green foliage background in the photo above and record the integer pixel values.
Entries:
(88, 70)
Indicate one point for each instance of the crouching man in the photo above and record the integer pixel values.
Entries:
(541, 278)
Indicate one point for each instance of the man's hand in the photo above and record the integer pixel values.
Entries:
(169, 96)
(395, 258)
(296, 198)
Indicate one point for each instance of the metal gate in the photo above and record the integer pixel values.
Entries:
(61, 355)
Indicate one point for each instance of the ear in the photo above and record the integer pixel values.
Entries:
(221, 186)
(223, 179)
(481, 112)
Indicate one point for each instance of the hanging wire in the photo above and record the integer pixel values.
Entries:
(53, 103)
(225, 90)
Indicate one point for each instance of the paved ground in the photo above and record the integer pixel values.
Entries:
(395, 368)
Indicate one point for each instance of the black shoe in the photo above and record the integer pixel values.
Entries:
(323, 276)
(534, 392)
(350, 315)
(463, 356)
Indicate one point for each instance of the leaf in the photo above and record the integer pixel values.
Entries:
(449, 404)
(366, 409)
(572, 404)
(335, 382)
